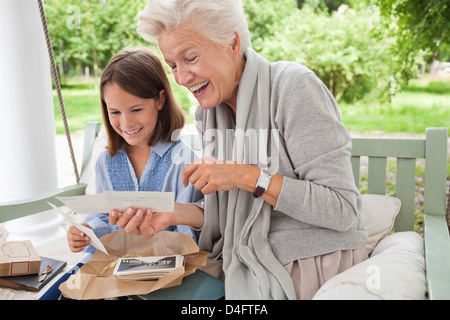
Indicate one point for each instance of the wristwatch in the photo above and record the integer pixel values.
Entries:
(263, 183)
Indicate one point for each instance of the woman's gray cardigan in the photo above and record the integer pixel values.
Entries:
(318, 209)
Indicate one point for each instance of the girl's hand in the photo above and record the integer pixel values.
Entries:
(77, 239)
(139, 223)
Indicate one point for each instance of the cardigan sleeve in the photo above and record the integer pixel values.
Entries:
(318, 188)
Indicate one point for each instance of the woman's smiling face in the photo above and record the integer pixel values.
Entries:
(212, 73)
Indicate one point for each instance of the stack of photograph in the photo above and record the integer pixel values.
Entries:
(146, 268)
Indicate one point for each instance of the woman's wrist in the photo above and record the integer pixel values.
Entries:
(248, 178)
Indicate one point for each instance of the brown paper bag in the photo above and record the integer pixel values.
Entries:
(95, 280)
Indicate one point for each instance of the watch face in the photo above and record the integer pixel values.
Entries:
(264, 181)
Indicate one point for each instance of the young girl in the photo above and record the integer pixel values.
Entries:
(140, 116)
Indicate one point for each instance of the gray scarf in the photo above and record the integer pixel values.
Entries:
(237, 225)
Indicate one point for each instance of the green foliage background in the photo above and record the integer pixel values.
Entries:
(356, 52)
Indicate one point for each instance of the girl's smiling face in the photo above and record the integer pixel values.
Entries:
(212, 73)
(132, 117)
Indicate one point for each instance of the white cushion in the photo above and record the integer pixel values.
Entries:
(379, 212)
(395, 271)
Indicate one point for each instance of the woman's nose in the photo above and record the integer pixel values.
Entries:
(183, 76)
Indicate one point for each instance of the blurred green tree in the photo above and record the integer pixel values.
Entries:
(418, 25)
(352, 46)
(348, 49)
(427, 22)
(89, 33)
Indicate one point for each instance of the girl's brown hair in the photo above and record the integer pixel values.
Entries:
(141, 73)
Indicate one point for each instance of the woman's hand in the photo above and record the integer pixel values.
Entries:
(145, 224)
(77, 239)
(210, 175)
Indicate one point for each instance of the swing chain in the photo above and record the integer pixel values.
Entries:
(58, 87)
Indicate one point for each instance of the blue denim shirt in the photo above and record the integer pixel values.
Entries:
(162, 173)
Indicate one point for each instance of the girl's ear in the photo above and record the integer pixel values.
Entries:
(161, 100)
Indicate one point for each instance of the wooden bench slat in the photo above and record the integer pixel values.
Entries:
(405, 191)
(377, 175)
(398, 148)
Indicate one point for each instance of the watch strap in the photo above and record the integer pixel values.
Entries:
(260, 189)
(258, 192)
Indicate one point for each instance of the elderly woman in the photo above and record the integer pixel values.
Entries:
(281, 211)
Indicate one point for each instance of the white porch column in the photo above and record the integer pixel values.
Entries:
(27, 129)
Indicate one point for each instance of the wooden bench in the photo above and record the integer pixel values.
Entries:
(433, 149)
(436, 235)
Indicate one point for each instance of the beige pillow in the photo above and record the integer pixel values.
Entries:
(395, 271)
(379, 212)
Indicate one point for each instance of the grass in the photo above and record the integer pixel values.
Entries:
(421, 105)
(82, 104)
(413, 110)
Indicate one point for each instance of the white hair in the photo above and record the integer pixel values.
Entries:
(217, 20)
